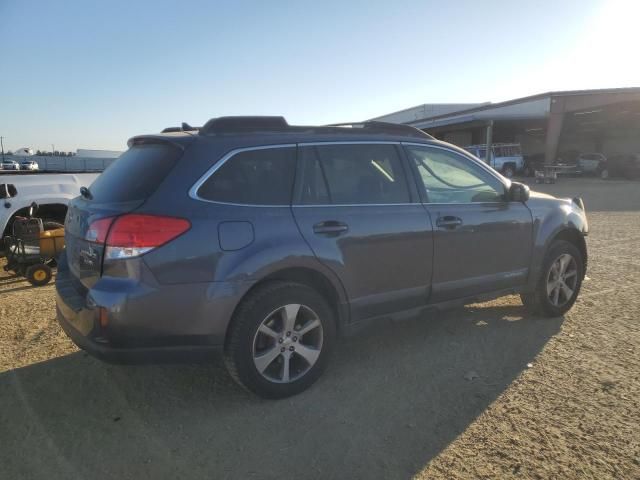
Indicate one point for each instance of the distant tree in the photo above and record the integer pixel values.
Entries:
(38, 153)
(9, 152)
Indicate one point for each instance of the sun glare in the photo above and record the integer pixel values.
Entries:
(610, 42)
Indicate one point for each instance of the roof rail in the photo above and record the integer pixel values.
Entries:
(241, 124)
(246, 124)
(386, 127)
(495, 144)
(185, 127)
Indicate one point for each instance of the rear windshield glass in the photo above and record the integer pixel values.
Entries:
(135, 174)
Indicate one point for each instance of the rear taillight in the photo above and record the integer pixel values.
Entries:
(132, 235)
(98, 230)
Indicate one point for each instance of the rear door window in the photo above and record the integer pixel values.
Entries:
(357, 174)
(254, 177)
(136, 174)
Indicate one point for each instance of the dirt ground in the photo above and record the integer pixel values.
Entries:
(482, 392)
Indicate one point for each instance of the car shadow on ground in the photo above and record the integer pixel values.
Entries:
(392, 399)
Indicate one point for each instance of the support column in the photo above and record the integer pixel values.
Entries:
(489, 157)
(554, 129)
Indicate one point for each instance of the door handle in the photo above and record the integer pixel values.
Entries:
(449, 222)
(330, 227)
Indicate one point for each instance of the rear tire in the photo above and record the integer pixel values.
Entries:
(553, 285)
(268, 334)
(508, 171)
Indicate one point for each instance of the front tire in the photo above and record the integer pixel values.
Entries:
(559, 283)
(280, 339)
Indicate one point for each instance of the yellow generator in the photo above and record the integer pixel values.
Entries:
(51, 242)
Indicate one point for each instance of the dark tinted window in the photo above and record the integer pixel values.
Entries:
(353, 174)
(451, 178)
(255, 177)
(136, 174)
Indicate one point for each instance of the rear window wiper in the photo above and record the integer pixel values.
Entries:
(84, 191)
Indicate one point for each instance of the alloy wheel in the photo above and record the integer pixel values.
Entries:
(562, 280)
(288, 343)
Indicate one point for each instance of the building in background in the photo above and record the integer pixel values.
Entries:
(86, 153)
(554, 125)
(427, 110)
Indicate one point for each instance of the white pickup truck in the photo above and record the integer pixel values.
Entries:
(51, 191)
(506, 158)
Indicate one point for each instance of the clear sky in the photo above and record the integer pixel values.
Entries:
(90, 74)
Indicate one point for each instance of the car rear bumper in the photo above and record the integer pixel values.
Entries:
(138, 330)
(135, 355)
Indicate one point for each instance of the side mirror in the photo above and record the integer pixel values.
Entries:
(518, 192)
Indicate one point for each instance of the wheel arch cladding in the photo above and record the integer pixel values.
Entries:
(572, 235)
(311, 278)
(551, 224)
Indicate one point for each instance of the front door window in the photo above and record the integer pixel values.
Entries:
(448, 177)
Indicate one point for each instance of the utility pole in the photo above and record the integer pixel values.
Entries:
(53, 149)
(2, 145)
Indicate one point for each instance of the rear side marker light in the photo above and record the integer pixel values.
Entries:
(132, 235)
(103, 316)
(98, 230)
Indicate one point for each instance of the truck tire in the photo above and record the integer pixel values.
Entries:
(559, 283)
(508, 170)
(280, 339)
